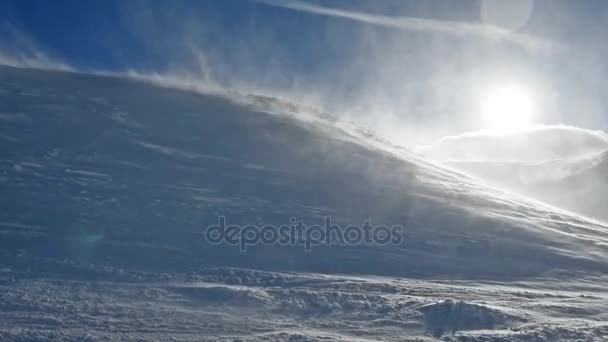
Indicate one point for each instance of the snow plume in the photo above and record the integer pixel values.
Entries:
(532, 145)
(363, 69)
(366, 69)
(170, 80)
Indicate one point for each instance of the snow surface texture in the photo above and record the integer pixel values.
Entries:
(108, 184)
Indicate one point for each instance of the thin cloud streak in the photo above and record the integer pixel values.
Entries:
(418, 24)
(534, 144)
(37, 60)
(19, 50)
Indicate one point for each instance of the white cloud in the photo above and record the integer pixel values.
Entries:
(36, 60)
(535, 144)
(19, 50)
(417, 24)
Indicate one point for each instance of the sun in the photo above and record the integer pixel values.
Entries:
(507, 108)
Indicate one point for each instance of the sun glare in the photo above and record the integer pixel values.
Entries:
(507, 108)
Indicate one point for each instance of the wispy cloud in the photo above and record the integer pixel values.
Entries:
(19, 50)
(418, 24)
(37, 60)
(531, 145)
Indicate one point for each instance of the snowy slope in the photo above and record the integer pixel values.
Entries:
(109, 183)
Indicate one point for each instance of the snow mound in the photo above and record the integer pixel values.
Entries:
(450, 316)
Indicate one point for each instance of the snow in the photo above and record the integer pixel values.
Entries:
(575, 184)
(103, 239)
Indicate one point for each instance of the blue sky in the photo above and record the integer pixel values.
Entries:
(424, 71)
(111, 34)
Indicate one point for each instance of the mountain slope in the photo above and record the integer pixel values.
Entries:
(108, 185)
(108, 170)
